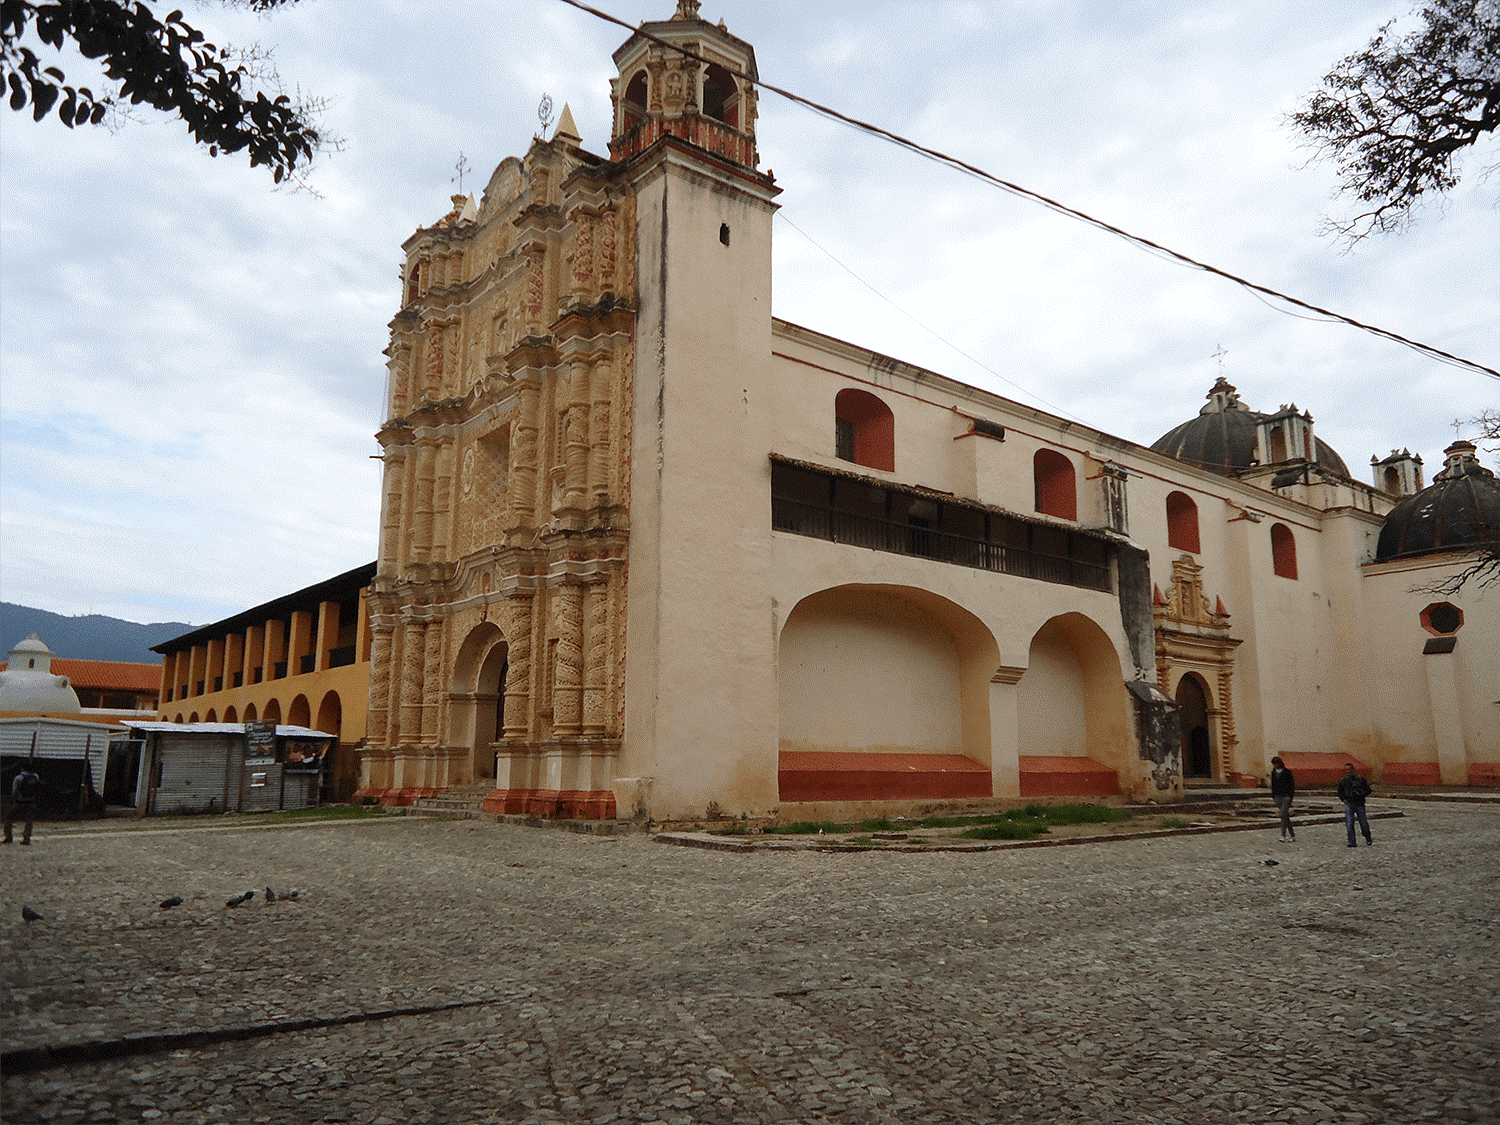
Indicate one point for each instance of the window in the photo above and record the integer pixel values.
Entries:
(635, 102)
(1283, 551)
(719, 96)
(864, 430)
(1056, 490)
(1182, 522)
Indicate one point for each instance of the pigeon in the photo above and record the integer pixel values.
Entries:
(270, 895)
(236, 900)
(247, 896)
(30, 915)
(1271, 862)
(175, 900)
(294, 894)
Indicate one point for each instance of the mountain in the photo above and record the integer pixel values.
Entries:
(94, 637)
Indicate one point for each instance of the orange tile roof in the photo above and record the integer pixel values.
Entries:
(108, 675)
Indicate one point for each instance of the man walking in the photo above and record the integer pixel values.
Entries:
(1353, 790)
(1283, 789)
(25, 791)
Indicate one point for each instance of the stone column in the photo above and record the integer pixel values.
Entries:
(524, 454)
(432, 681)
(576, 449)
(518, 675)
(409, 686)
(442, 501)
(1005, 732)
(421, 540)
(596, 661)
(567, 681)
(380, 686)
(601, 385)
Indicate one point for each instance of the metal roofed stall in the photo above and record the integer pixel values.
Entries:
(230, 767)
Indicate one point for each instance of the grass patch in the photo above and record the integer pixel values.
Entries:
(1002, 831)
(336, 812)
(1175, 822)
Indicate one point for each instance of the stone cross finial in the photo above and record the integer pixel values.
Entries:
(687, 10)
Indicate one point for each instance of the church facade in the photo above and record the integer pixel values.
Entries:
(647, 550)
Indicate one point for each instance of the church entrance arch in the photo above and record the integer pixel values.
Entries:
(1197, 737)
(477, 696)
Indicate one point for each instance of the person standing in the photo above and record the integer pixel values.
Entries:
(1353, 790)
(1283, 789)
(25, 791)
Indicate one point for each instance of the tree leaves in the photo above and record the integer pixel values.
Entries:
(166, 64)
(1396, 117)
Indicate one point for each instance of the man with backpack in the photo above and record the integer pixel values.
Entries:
(1353, 790)
(25, 791)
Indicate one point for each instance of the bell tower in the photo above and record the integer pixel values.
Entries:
(703, 93)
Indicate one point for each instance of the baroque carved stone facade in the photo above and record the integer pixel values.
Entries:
(498, 602)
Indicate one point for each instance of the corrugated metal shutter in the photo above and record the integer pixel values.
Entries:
(192, 773)
(54, 741)
(261, 798)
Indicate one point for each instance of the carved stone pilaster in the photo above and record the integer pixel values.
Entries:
(567, 673)
(600, 383)
(596, 661)
(518, 675)
(413, 660)
(380, 685)
(524, 455)
(432, 680)
(576, 447)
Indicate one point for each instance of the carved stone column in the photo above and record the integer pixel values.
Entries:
(413, 655)
(1228, 740)
(380, 686)
(524, 454)
(596, 661)
(432, 680)
(421, 540)
(567, 675)
(518, 674)
(576, 448)
(442, 500)
(599, 437)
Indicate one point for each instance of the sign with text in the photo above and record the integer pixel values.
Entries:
(260, 744)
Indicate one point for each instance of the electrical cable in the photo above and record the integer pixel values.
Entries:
(990, 178)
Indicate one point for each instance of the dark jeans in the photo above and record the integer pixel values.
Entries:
(1350, 812)
(1284, 807)
(21, 811)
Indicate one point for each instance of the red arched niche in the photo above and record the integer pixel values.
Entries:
(1182, 522)
(1283, 551)
(865, 429)
(1056, 487)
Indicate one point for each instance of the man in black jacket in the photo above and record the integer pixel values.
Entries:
(1353, 790)
(1283, 789)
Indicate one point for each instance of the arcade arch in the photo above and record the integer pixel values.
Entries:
(1072, 700)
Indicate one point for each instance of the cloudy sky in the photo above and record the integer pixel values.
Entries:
(190, 362)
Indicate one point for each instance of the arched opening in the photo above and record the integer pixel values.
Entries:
(179, 718)
(272, 712)
(1197, 740)
(193, 718)
(634, 110)
(1074, 718)
(211, 717)
(341, 768)
(477, 696)
(864, 430)
(1392, 480)
(1283, 551)
(1056, 487)
(1278, 444)
(883, 695)
(331, 715)
(299, 714)
(231, 715)
(250, 713)
(720, 96)
(1182, 522)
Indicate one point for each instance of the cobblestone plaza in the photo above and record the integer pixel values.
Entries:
(452, 971)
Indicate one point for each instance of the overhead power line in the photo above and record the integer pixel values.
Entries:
(1155, 248)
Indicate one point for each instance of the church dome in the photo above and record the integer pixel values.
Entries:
(1224, 438)
(1459, 511)
(28, 683)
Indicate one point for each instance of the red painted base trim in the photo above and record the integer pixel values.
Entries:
(1320, 768)
(1048, 776)
(1412, 773)
(402, 798)
(1486, 774)
(834, 776)
(553, 804)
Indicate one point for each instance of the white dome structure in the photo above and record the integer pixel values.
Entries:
(29, 684)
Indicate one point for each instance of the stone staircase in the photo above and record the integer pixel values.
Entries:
(466, 802)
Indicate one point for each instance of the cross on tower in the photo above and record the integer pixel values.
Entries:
(1219, 355)
(462, 165)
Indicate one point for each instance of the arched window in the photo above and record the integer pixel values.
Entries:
(1182, 522)
(1392, 480)
(635, 102)
(1278, 444)
(864, 430)
(719, 101)
(231, 715)
(1056, 490)
(1283, 551)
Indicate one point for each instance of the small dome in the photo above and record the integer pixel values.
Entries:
(1459, 510)
(28, 683)
(1222, 438)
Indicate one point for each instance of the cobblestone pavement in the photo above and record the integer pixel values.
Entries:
(621, 980)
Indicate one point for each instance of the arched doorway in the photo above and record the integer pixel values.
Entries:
(272, 712)
(477, 696)
(300, 713)
(1197, 741)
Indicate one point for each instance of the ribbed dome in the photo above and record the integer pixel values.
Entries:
(1460, 510)
(1222, 437)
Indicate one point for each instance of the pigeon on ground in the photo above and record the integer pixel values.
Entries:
(30, 915)
(270, 895)
(248, 895)
(1271, 862)
(236, 900)
(294, 894)
(175, 900)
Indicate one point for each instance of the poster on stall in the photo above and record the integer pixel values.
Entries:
(303, 757)
(260, 744)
